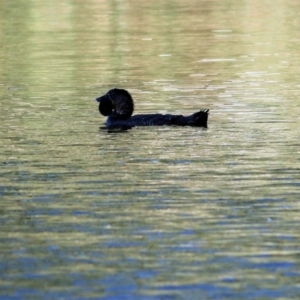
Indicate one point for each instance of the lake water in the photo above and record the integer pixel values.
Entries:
(153, 212)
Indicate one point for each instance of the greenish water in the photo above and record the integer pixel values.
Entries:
(160, 212)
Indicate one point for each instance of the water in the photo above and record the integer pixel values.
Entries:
(150, 213)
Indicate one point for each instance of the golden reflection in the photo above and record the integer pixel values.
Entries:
(181, 206)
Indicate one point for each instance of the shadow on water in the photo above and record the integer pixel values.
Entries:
(122, 129)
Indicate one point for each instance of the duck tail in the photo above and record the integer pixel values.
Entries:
(199, 118)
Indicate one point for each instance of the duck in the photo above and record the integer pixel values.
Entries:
(118, 106)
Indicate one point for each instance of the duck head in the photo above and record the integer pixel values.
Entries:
(116, 101)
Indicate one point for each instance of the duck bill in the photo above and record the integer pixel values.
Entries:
(105, 105)
(99, 99)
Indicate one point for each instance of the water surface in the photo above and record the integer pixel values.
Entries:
(149, 213)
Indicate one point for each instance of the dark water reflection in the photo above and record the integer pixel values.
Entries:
(149, 213)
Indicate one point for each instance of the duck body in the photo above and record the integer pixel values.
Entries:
(118, 106)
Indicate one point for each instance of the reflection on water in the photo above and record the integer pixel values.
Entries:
(149, 213)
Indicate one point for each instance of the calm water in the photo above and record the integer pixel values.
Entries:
(150, 213)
